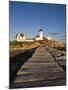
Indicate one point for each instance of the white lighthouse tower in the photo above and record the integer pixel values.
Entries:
(41, 34)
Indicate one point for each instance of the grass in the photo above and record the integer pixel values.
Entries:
(17, 47)
(14, 45)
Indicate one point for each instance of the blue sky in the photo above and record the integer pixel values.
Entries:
(28, 18)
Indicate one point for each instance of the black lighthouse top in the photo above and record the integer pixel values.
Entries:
(40, 30)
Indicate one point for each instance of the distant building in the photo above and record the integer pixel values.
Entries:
(29, 40)
(40, 35)
(22, 37)
(49, 37)
(37, 38)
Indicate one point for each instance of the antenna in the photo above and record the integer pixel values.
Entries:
(62, 36)
(53, 34)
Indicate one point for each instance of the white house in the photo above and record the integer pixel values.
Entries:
(20, 37)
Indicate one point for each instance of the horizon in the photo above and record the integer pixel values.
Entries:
(28, 18)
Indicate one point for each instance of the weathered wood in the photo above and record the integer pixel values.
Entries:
(40, 67)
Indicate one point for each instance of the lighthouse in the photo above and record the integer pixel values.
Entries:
(40, 34)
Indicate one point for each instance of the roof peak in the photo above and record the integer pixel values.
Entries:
(40, 30)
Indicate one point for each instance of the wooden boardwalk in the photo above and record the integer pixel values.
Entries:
(40, 70)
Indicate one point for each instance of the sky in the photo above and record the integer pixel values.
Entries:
(28, 18)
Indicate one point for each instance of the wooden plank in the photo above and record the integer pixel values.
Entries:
(40, 67)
